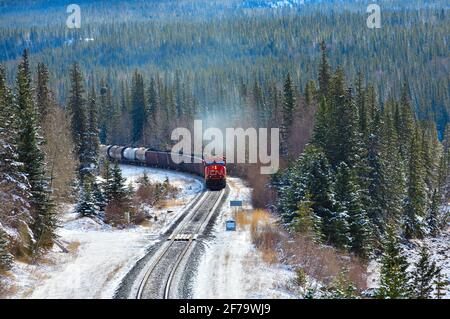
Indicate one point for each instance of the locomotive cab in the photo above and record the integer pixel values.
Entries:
(215, 173)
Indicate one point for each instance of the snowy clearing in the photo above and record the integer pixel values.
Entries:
(439, 248)
(99, 255)
(231, 266)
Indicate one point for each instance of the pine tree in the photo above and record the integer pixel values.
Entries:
(310, 92)
(138, 107)
(441, 284)
(321, 137)
(79, 119)
(115, 190)
(306, 222)
(42, 93)
(309, 175)
(99, 196)
(288, 112)
(393, 274)
(416, 198)
(6, 258)
(324, 73)
(434, 220)
(348, 202)
(86, 205)
(93, 143)
(14, 186)
(31, 155)
(392, 173)
(423, 276)
(405, 122)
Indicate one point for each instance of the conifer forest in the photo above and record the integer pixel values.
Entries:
(351, 99)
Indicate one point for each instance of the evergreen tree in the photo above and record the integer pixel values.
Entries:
(357, 229)
(321, 136)
(324, 73)
(416, 198)
(423, 276)
(306, 222)
(441, 284)
(393, 274)
(31, 155)
(6, 258)
(309, 176)
(14, 186)
(79, 119)
(288, 112)
(42, 93)
(434, 220)
(392, 173)
(93, 143)
(405, 121)
(138, 108)
(116, 190)
(86, 204)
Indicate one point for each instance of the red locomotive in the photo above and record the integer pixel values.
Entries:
(215, 173)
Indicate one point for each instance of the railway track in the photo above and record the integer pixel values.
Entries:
(158, 279)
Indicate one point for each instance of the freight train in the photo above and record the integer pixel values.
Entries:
(212, 169)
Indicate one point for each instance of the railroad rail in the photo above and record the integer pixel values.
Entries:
(159, 276)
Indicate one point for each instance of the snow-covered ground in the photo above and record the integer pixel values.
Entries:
(439, 248)
(99, 256)
(231, 266)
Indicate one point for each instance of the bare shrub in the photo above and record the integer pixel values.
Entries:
(321, 262)
(115, 214)
(315, 260)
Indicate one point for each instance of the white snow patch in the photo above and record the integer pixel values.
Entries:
(100, 256)
(231, 266)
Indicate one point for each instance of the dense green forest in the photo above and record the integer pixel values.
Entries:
(225, 47)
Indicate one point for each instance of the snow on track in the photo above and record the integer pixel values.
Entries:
(231, 267)
(100, 256)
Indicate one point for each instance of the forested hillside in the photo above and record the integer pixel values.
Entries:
(224, 47)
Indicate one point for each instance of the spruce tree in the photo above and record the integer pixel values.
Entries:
(423, 276)
(434, 220)
(288, 113)
(79, 119)
(393, 275)
(441, 284)
(43, 100)
(6, 258)
(306, 222)
(138, 107)
(324, 73)
(116, 190)
(416, 197)
(348, 204)
(93, 143)
(86, 205)
(31, 155)
(14, 186)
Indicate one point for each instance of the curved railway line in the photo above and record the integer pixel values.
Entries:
(158, 280)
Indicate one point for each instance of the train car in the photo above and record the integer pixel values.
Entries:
(116, 153)
(141, 155)
(163, 159)
(151, 158)
(213, 169)
(129, 154)
(215, 173)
